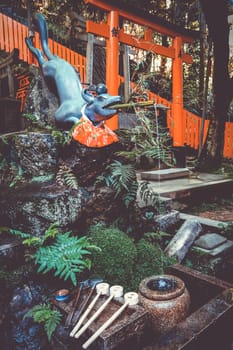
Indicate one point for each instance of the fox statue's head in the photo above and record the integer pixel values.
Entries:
(98, 107)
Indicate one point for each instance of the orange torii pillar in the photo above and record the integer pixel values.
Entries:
(177, 104)
(112, 61)
(177, 94)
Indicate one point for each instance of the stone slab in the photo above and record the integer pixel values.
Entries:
(218, 251)
(165, 174)
(204, 221)
(210, 241)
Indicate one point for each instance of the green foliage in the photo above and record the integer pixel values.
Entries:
(150, 261)
(43, 313)
(61, 253)
(65, 176)
(33, 123)
(60, 137)
(156, 237)
(33, 241)
(150, 140)
(121, 178)
(67, 257)
(30, 117)
(115, 262)
(149, 197)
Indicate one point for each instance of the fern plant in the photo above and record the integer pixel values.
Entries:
(42, 313)
(121, 178)
(66, 256)
(149, 197)
(65, 176)
(33, 241)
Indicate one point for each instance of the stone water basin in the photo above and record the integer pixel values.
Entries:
(209, 323)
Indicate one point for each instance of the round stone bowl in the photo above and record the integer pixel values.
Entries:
(167, 300)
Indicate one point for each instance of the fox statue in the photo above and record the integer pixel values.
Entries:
(74, 101)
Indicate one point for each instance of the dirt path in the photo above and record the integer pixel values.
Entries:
(221, 215)
(220, 209)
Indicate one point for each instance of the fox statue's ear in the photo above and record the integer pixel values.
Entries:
(87, 96)
(101, 88)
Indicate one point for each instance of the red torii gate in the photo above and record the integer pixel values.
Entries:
(113, 35)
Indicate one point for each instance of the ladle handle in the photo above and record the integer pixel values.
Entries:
(131, 298)
(86, 313)
(105, 325)
(92, 319)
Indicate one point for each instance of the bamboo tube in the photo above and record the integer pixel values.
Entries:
(139, 104)
(133, 104)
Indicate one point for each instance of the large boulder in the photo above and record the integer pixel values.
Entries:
(40, 104)
(34, 207)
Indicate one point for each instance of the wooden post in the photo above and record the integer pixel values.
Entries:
(177, 94)
(126, 69)
(89, 56)
(112, 61)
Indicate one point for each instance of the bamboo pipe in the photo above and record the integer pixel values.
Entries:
(101, 289)
(115, 292)
(139, 104)
(131, 298)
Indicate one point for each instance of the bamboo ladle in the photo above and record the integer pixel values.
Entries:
(101, 289)
(115, 292)
(130, 298)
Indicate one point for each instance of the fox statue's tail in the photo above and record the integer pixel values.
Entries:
(43, 30)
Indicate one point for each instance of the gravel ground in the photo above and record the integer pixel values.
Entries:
(221, 210)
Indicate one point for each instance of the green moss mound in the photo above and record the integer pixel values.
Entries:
(150, 261)
(116, 260)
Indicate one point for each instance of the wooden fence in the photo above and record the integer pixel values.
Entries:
(13, 34)
(192, 127)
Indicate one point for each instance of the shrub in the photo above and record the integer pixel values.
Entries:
(150, 261)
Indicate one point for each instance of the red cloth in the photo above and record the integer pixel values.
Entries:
(93, 136)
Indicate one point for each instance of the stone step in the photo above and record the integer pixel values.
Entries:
(226, 247)
(165, 174)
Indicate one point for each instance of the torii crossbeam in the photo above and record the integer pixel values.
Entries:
(115, 35)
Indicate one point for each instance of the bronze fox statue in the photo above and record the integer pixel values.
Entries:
(74, 100)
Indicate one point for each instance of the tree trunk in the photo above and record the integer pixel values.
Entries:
(216, 14)
(202, 56)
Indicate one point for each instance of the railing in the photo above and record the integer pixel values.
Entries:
(13, 34)
(192, 127)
